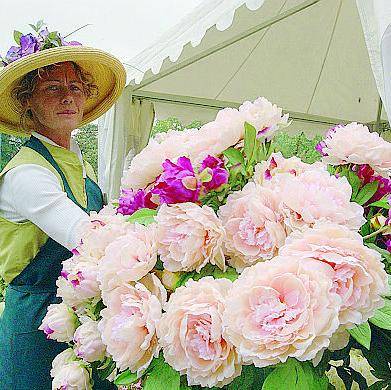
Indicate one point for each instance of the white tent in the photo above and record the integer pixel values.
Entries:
(318, 59)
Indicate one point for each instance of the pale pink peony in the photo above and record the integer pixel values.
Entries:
(214, 137)
(191, 333)
(359, 277)
(355, 144)
(267, 172)
(59, 323)
(128, 326)
(129, 257)
(73, 376)
(147, 165)
(88, 341)
(63, 358)
(255, 229)
(78, 283)
(189, 237)
(282, 308)
(266, 117)
(315, 196)
(100, 232)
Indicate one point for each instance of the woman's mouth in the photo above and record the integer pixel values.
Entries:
(67, 112)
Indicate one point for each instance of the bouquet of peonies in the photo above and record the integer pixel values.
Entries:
(225, 264)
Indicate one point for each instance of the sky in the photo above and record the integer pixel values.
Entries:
(122, 27)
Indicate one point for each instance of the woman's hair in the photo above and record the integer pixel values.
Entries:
(24, 90)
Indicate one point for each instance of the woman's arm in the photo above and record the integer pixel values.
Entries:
(31, 192)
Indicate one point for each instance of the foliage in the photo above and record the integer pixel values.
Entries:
(297, 145)
(9, 146)
(87, 139)
(171, 123)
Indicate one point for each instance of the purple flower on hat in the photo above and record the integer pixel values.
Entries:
(131, 201)
(71, 43)
(215, 172)
(177, 183)
(29, 44)
(13, 54)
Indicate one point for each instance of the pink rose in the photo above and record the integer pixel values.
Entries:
(129, 257)
(363, 147)
(315, 196)
(255, 229)
(189, 237)
(358, 277)
(282, 308)
(191, 334)
(128, 326)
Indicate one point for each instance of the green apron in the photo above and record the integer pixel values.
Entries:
(25, 353)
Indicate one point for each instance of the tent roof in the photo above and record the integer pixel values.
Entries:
(309, 57)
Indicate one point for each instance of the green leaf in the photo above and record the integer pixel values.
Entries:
(382, 203)
(354, 182)
(250, 138)
(251, 378)
(125, 378)
(362, 334)
(40, 24)
(143, 217)
(234, 156)
(294, 375)
(33, 27)
(366, 193)
(382, 317)
(230, 274)
(17, 35)
(162, 376)
(106, 368)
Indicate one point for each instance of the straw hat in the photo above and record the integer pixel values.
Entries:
(108, 73)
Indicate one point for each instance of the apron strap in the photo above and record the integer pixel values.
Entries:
(35, 144)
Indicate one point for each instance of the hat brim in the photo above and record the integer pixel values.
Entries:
(108, 73)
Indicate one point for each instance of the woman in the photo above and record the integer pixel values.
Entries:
(46, 190)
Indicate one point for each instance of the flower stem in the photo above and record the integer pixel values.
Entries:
(375, 233)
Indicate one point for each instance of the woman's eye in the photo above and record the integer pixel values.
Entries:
(52, 88)
(75, 88)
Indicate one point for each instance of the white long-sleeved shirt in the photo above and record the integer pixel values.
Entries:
(31, 192)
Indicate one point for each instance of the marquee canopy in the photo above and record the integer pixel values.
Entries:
(317, 59)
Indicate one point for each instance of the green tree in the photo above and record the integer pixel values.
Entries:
(9, 146)
(171, 123)
(87, 139)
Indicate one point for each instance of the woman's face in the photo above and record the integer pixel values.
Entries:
(58, 99)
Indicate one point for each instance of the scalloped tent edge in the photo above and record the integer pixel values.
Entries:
(285, 50)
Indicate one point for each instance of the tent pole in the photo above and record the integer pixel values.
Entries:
(376, 126)
(225, 44)
(220, 104)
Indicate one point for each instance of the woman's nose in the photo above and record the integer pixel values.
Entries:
(67, 97)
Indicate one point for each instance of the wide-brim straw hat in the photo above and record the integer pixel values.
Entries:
(108, 73)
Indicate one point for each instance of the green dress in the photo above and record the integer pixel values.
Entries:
(25, 353)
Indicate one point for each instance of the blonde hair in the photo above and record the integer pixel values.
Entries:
(26, 86)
